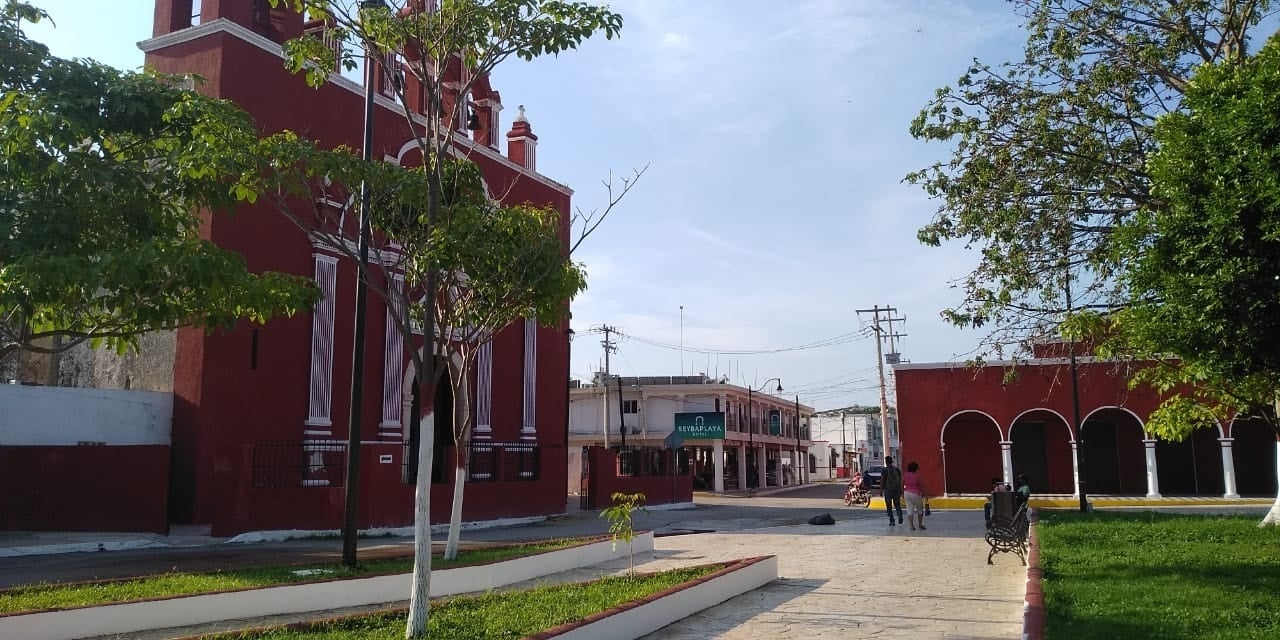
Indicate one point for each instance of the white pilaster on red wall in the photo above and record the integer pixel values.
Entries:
(393, 362)
(484, 392)
(528, 428)
(318, 421)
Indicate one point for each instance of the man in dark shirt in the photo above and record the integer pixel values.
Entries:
(891, 488)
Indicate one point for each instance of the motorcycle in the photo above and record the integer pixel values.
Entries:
(856, 495)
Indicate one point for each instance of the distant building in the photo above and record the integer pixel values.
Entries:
(967, 425)
(854, 440)
(766, 435)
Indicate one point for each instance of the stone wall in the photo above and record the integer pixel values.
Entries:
(149, 368)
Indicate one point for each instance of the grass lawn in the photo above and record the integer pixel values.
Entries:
(1153, 575)
(494, 615)
(61, 596)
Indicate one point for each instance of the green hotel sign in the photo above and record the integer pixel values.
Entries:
(707, 425)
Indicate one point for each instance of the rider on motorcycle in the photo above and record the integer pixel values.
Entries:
(854, 493)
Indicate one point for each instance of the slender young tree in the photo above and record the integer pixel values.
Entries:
(106, 177)
(496, 264)
(445, 47)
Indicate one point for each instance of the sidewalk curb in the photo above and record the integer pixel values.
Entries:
(78, 547)
(1033, 615)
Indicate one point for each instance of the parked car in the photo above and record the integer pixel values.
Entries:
(871, 477)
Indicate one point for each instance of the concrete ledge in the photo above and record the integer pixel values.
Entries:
(637, 619)
(1033, 614)
(316, 596)
(1068, 502)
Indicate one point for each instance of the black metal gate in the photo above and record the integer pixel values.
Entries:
(584, 484)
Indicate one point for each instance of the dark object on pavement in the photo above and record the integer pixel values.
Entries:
(822, 519)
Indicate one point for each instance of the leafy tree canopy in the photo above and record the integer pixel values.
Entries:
(482, 32)
(1206, 280)
(103, 175)
(1049, 152)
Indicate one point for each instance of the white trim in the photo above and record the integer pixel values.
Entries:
(943, 434)
(1061, 417)
(491, 153)
(528, 426)
(996, 363)
(126, 619)
(223, 25)
(320, 399)
(1141, 424)
(484, 392)
(386, 257)
(393, 356)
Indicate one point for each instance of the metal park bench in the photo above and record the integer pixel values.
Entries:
(1008, 527)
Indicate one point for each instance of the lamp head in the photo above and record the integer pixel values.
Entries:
(473, 121)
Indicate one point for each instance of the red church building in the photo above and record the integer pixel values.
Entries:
(966, 426)
(260, 413)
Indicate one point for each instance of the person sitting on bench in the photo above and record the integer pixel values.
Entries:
(996, 485)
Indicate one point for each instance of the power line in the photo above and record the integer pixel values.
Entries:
(833, 341)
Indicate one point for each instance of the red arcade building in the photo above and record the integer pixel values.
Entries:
(260, 413)
(967, 425)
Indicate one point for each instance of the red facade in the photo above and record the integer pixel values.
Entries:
(966, 426)
(84, 488)
(238, 391)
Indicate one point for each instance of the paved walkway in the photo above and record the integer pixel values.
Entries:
(858, 578)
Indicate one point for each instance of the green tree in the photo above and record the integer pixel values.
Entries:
(495, 265)
(1206, 280)
(431, 38)
(104, 178)
(622, 522)
(1048, 153)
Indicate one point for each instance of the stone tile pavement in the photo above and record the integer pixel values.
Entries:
(859, 579)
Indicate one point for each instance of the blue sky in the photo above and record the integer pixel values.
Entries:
(773, 206)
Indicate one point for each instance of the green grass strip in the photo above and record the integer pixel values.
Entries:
(61, 596)
(494, 615)
(1159, 575)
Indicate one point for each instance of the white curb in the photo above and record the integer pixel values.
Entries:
(254, 603)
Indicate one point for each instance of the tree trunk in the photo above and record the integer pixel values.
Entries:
(1273, 516)
(461, 416)
(419, 602)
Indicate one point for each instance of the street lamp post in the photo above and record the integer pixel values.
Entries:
(751, 441)
(362, 295)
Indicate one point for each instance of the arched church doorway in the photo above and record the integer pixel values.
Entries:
(442, 408)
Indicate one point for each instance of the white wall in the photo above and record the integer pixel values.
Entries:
(656, 417)
(68, 416)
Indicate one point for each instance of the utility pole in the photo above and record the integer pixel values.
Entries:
(609, 347)
(802, 457)
(681, 339)
(622, 418)
(351, 490)
(883, 333)
(844, 446)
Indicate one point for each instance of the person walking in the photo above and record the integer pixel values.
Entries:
(891, 489)
(913, 495)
